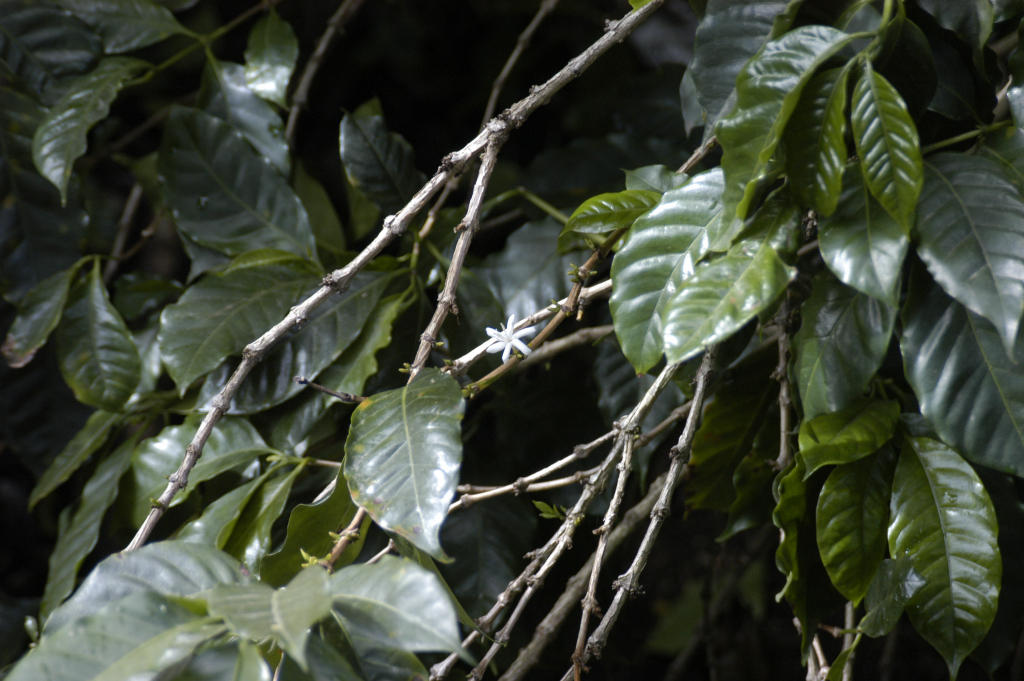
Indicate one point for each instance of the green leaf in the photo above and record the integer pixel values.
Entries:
(767, 91)
(862, 244)
(971, 229)
(397, 604)
(380, 163)
(233, 445)
(245, 608)
(402, 456)
(847, 435)
(225, 93)
(327, 228)
(970, 19)
(967, 386)
(240, 661)
(331, 328)
(219, 518)
(943, 520)
(1006, 147)
(90, 438)
(270, 57)
(250, 537)
(38, 314)
(730, 32)
(98, 359)
(660, 253)
(298, 606)
(126, 25)
(888, 146)
(894, 584)
(136, 637)
(170, 568)
(605, 213)
(723, 295)
(222, 194)
(841, 343)
(655, 178)
(76, 539)
(44, 45)
(220, 314)
(852, 516)
(815, 141)
(62, 135)
(790, 516)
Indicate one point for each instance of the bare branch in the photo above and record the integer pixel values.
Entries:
(586, 336)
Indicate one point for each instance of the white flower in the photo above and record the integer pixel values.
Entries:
(506, 338)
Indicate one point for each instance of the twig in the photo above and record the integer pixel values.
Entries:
(383, 552)
(394, 226)
(347, 536)
(335, 24)
(124, 226)
(626, 585)
(785, 400)
(698, 155)
(344, 397)
(575, 339)
(849, 623)
(468, 227)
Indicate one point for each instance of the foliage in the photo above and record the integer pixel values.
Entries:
(200, 277)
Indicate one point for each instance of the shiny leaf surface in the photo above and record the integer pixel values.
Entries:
(250, 537)
(605, 213)
(90, 438)
(847, 435)
(38, 314)
(270, 57)
(894, 584)
(126, 25)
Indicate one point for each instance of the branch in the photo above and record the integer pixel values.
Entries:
(586, 336)
(781, 374)
(394, 225)
(350, 533)
(124, 226)
(335, 24)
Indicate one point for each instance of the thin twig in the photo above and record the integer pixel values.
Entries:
(124, 227)
(335, 24)
(587, 336)
(626, 586)
(698, 155)
(394, 226)
(347, 536)
(383, 552)
(849, 623)
(785, 400)
(468, 227)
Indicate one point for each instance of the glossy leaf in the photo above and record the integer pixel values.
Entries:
(660, 253)
(97, 357)
(970, 19)
(90, 438)
(730, 33)
(968, 388)
(270, 57)
(971, 229)
(38, 314)
(241, 661)
(217, 316)
(395, 603)
(222, 194)
(790, 516)
(655, 178)
(841, 343)
(942, 518)
(894, 584)
(1006, 147)
(137, 636)
(402, 456)
(245, 608)
(225, 93)
(77, 538)
(43, 45)
(250, 538)
(815, 141)
(862, 244)
(722, 296)
(126, 25)
(331, 328)
(219, 518)
(847, 435)
(888, 146)
(62, 135)
(605, 213)
(852, 516)
(380, 163)
(298, 606)
(767, 92)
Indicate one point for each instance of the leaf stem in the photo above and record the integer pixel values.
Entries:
(963, 137)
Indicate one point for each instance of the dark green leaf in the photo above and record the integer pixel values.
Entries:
(98, 359)
(841, 343)
(847, 435)
(217, 316)
(43, 45)
(223, 194)
(171, 568)
(970, 19)
(402, 456)
(126, 25)
(852, 516)
(380, 163)
(330, 237)
(894, 584)
(232, 662)
(605, 213)
(136, 637)
(92, 435)
(655, 178)
(397, 604)
(298, 606)
(942, 518)
(815, 141)
(660, 253)
(225, 94)
(270, 57)
(137, 294)
(250, 537)
(38, 314)
(968, 388)
(1006, 147)
(888, 146)
(62, 135)
(245, 608)
(767, 92)
(790, 516)
(971, 228)
(219, 518)
(862, 244)
(78, 537)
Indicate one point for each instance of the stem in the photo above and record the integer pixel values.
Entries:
(963, 137)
